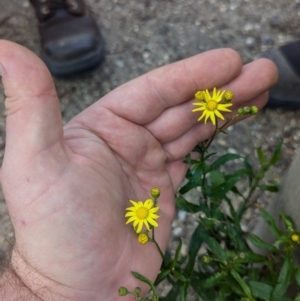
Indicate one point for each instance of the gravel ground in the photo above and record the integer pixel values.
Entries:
(143, 35)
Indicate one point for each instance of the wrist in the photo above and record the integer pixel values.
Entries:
(20, 281)
(13, 288)
(23, 282)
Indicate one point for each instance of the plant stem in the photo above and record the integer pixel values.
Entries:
(157, 246)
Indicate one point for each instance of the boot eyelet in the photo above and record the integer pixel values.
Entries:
(45, 10)
(73, 4)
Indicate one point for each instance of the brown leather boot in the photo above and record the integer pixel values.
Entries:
(71, 41)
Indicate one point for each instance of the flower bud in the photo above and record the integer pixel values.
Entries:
(247, 110)
(199, 95)
(137, 291)
(143, 238)
(123, 291)
(254, 109)
(241, 111)
(155, 192)
(206, 259)
(228, 96)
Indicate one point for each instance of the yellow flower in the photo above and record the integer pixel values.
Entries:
(143, 238)
(211, 106)
(142, 214)
(295, 238)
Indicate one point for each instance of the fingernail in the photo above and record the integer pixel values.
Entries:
(1, 70)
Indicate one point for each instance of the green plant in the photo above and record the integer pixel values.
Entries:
(229, 269)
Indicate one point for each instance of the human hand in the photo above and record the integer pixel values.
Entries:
(67, 188)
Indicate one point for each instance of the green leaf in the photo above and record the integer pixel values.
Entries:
(194, 246)
(214, 246)
(179, 276)
(236, 235)
(261, 156)
(260, 243)
(197, 149)
(212, 280)
(235, 287)
(167, 260)
(161, 276)
(229, 183)
(217, 178)
(276, 154)
(297, 275)
(251, 257)
(183, 292)
(222, 160)
(284, 239)
(194, 176)
(249, 169)
(284, 279)
(271, 188)
(145, 280)
(287, 220)
(236, 191)
(245, 287)
(177, 254)
(271, 222)
(260, 290)
(196, 284)
(183, 204)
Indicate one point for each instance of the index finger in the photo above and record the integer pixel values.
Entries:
(143, 99)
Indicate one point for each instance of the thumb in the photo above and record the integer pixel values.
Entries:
(33, 113)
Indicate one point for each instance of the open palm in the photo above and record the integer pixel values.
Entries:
(67, 188)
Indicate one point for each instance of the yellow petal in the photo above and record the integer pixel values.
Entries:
(223, 107)
(214, 93)
(146, 224)
(154, 216)
(207, 96)
(218, 114)
(203, 114)
(213, 118)
(220, 96)
(130, 220)
(154, 209)
(136, 221)
(131, 208)
(135, 204)
(152, 222)
(130, 214)
(198, 109)
(140, 226)
(206, 116)
(148, 204)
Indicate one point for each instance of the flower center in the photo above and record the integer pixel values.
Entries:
(211, 105)
(142, 213)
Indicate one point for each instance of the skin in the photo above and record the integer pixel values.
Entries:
(67, 187)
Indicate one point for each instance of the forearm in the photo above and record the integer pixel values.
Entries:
(13, 288)
(21, 282)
